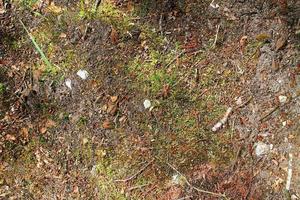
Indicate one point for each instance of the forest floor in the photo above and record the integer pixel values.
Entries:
(175, 100)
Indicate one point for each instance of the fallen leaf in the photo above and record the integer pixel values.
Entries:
(114, 35)
(263, 37)
(10, 137)
(280, 43)
(243, 43)
(275, 65)
(63, 35)
(112, 109)
(107, 124)
(113, 99)
(50, 123)
(166, 90)
(43, 130)
(25, 132)
(123, 119)
(53, 8)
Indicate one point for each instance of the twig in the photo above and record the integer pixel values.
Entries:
(290, 170)
(245, 103)
(193, 187)
(175, 58)
(138, 187)
(269, 113)
(187, 197)
(220, 123)
(216, 37)
(136, 174)
(277, 107)
(160, 24)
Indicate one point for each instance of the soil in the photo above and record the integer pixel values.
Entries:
(193, 60)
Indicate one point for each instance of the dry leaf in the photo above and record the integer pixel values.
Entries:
(123, 119)
(25, 132)
(113, 99)
(50, 123)
(10, 137)
(112, 109)
(280, 43)
(114, 36)
(243, 43)
(63, 35)
(107, 124)
(54, 9)
(43, 130)
(275, 65)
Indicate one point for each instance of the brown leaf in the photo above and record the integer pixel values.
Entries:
(280, 43)
(25, 132)
(43, 130)
(243, 43)
(114, 36)
(113, 99)
(275, 65)
(107, 124)
(112, 109)
(10, 137)
(166, 90)
(50, 123)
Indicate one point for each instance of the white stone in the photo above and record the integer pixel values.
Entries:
(147, 104)
(68, 83)
(282, 99)
(83, 74)
(262, 149)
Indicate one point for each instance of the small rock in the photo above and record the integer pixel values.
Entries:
(68, 83)
(282, 99)
(83, 74)
(280, 43)
(239, 101)
(262, 149)
(147, 104)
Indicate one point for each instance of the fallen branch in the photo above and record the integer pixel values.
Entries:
(220, 123)
(193, 187)
(216, 37)
(136, 174)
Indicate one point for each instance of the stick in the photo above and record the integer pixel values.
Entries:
(220, 123)
(138, 187)
(268, 114)
(136, 174)
(193, 187)
(290, 170)
(176, 57)
(216, 37)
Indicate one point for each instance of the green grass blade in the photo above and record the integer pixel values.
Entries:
(37, 47)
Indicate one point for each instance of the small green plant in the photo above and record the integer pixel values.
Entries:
(38, 49)
(2, 89)
(28, 3)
